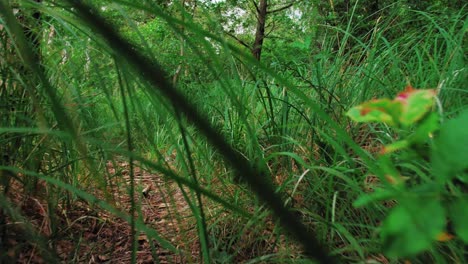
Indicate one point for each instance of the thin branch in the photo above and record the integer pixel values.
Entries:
(272, 28)
(282, 8)
(256, 6)
(240, 41)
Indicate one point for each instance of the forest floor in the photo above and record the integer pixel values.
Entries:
(83, 233)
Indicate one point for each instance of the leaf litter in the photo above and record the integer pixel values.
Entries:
(84, 233)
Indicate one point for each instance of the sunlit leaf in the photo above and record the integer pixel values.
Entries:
(382, 110)
(415, 104)
(406, 109)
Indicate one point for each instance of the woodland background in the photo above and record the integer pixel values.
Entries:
(216, 131)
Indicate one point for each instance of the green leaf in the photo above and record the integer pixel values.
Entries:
(412, 226)
(406, 109)
(395, 146)
(459, 216)
(378, 195)
(450, 154)
(391, 173)
(423, 132)
(382, 110)
(416, 104)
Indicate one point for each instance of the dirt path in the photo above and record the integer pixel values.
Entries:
(84, 234)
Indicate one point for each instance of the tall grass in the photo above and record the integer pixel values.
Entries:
(246, 129)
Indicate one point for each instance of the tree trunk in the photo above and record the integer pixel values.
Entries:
(260, 31)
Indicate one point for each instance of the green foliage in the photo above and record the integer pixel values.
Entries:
(419, 218)
(383, 110)
(405, 110)
(84, 104)
(412, 226)
(458, 214)
(449, 155)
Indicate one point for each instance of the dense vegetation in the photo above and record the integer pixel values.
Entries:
(220, 131)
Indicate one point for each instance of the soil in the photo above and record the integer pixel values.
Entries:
(84, 233)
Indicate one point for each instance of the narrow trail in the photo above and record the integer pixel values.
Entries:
(86, 234)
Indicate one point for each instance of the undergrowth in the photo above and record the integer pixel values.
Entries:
(89, 106)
